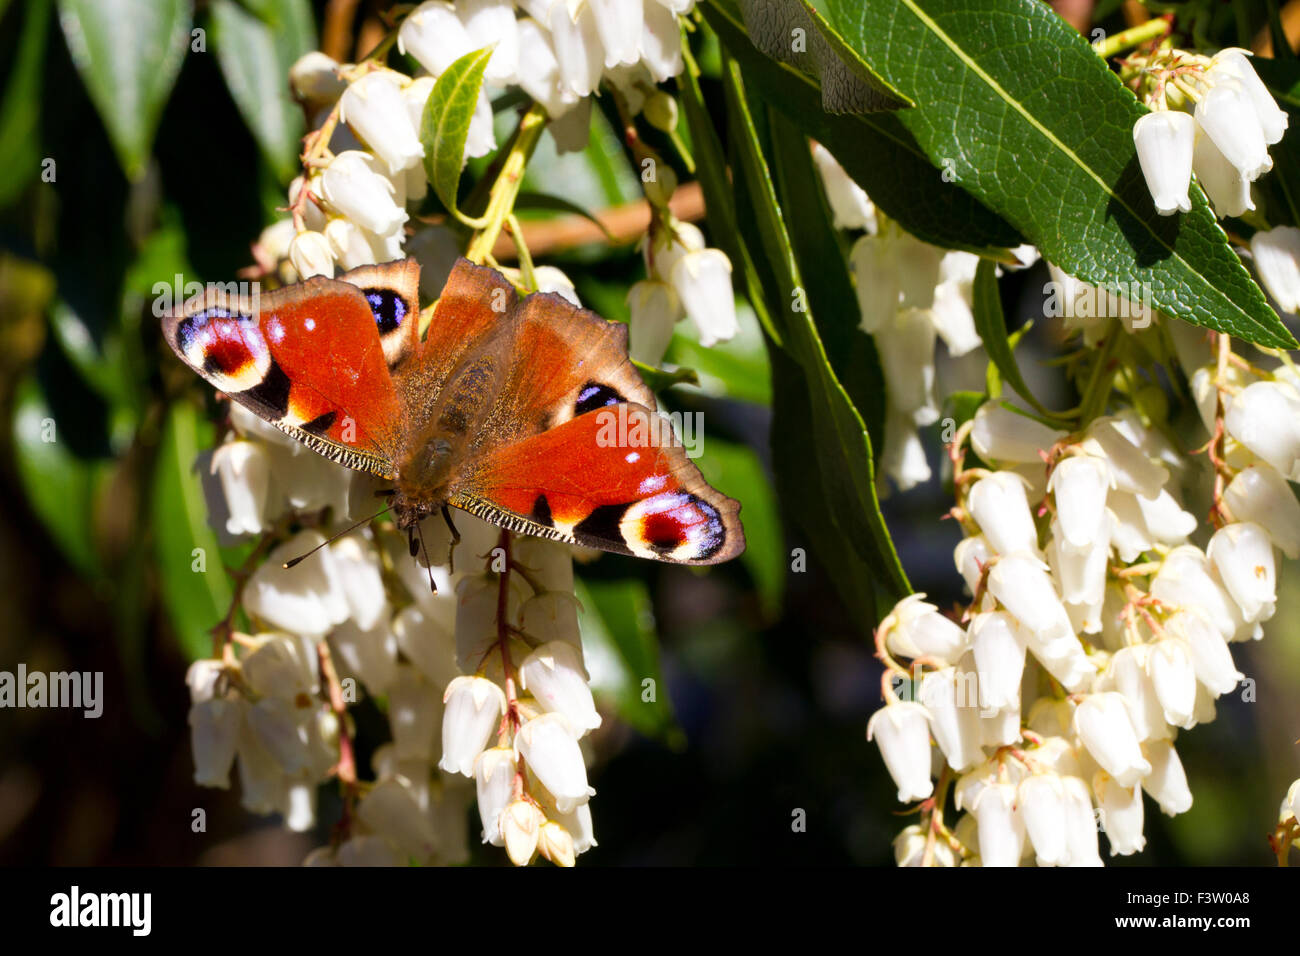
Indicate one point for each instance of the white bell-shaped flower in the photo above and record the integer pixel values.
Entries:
(1121, 814)
(1260, 494)
(244, 470)
(474, 706)
(1211, 657)
(494, 779)
(1042, 801)
(653, 311)
(578, 48)
(555, 676)
(1174, 678)
(1103, 724)
(351, 184)
(426, 640)
(702, 281)
(999, 651)
(1127, 674)
(306, 599)
(369, 655)
(850, 207)
(1001, 826)
(661, 41)
(1235, 62)
(550, 747)
(357, 564)
(1166, 783)
(1184, 580)
(874, 264)
(1164, 142)
(999, 506)
(906, 346)
(214, 735)
(314, 79)
(619, 24)
(1001, 436)
(539, 70)
(1243, 555)
(1227, 116)
(391, 810)
(579, 825)
(903, 458)
(1081, 572)
(373, 106)
(915, 628)
(1024, 588)
(971, 556)
(1227, 189)
(1277, 260)
(1265, 417)
(492, 23)
(952, 701)
(1131, 467)
(434, 35)
(1079, 485)
(1080, 824)
(901, 729)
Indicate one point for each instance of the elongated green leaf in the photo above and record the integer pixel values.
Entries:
(256, 50)
(875, 149)
(195, 588)
(1028, 118)
(60, 486)
(798, 34)
(444, 126)
(824, 267)
(128, 53)
(839, 440)
(21, 108)
(622, 654)
(991, 324)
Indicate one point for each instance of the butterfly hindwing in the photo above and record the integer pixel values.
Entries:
(307, 358)
(392, 290)
(613, 478)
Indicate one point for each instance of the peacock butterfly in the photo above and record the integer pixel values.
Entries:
(506, 409)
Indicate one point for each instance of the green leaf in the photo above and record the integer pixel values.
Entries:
(736, 471)
(128, 53)
(622, 653)
(1042, 132)
(21, 110)
(60, 487)
(183, 541)
(256, 50)
(824, 267)
(875, 149)
(991, 324)
(444, 126)
(839, 439)
(798, 34)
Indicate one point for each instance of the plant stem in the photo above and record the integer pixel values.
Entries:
(501, 201)
(1134, 36)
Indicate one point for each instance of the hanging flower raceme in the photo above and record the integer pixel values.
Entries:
(1212, 116)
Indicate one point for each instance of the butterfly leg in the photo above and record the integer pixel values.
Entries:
(455, 539)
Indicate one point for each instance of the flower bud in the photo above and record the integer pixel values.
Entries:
(521, 824)
(556, 844)
(311, 255)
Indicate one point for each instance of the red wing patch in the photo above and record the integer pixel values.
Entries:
(614, 478)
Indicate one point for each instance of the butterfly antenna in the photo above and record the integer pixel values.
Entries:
(428, 565)
(333, 538)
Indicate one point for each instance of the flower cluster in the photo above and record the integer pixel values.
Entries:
(910, 293)
(1096, 632)
(482, 676)
(1212, 116)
